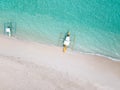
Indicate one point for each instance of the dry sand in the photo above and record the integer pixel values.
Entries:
(33, 66)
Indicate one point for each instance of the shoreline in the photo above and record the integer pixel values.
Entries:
(100, 55)
(90, 72)
(69, 50)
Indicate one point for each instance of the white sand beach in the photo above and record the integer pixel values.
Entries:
(32, 66)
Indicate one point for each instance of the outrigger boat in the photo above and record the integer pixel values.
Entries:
(66, 42)
(10, 29)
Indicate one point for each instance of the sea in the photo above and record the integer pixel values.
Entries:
(94, 25)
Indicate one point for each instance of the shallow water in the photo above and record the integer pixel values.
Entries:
(95, 24)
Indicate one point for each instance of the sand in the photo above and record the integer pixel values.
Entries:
(32, 66)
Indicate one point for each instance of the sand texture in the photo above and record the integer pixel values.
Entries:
(32, 66)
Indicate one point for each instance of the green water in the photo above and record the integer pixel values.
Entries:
(95, 23)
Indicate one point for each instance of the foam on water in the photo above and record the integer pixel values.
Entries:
(96, 23)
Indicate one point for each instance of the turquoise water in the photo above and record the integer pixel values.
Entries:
(95, 23)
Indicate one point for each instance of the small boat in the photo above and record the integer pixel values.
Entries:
(66, 42)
